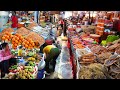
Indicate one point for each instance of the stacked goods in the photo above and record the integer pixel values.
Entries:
(31, 25)
(15, 68)
(7, 30)
(10, 30)
(88, 58)
(97, 49)
(28, 43)
(79, 46)
(95, 37)
(22, 72)
(30, 63)
(117, 50)
(113, 48)
(22, 31)
(113, 65)
(26, 73)
(77, 43)
(7, 36)
(100, 27)
(38, 40)
(17, 39)
(93, 71)
(35, 58)
(103, 56)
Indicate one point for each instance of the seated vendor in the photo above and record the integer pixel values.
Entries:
(5, 58)
(51, 53)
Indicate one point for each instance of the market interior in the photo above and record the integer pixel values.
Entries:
(60, 44)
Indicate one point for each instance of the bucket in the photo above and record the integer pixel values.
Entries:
(41, 68)
(40, 74)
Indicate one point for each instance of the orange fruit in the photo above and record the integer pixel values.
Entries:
(16, 41)
(7, 37)
(7, 33)
(33, 44)
(17, 38)
(15, 45)
(24, 40)
(12, 36)
(13, 39)
(17, 34)
(13, 42)
(26, 45)
(20, 41)
(6, 40)
(23, 43)
(27, 42)
(3, 38)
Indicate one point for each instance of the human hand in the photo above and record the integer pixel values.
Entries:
(13, 56)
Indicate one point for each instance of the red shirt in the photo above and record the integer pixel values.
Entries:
(14, 22)
(61, 22)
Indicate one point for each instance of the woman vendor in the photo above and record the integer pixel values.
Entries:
(51, 53)
(5, 58)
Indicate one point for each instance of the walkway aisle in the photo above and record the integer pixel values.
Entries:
(72, 60)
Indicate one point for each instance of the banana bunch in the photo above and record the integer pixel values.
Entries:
(31, 59)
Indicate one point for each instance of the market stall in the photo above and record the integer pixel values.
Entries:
(88, 51)
(90, 55)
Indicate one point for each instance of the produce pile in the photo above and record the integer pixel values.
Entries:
(22, 72)
(10, 30)
(36, 38)
(107, 56)
(113, 65)
(31, 25)
(23, 37)
(6, 30)
(28, 43)
(88, 58)
(18, 39)
(23, 31)
(93, 71)
(77, 43)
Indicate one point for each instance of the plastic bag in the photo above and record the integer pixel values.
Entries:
(65, 59)
(66, 71)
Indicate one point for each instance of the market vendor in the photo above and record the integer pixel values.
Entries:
(61, 22)
(14, 19)
(5, 56)
(51, 53)
(59, 30)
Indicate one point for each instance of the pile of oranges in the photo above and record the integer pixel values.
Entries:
(28, 43)
(7, 37)
(17, 39)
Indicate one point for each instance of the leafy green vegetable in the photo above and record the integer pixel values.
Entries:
(112, 38)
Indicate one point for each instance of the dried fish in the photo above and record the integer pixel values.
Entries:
(115, 69)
